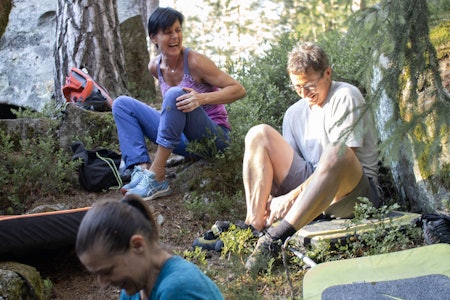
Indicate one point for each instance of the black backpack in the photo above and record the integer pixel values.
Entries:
(99, 168)
(436, 228)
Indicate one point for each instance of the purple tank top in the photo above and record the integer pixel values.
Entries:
(217, 112)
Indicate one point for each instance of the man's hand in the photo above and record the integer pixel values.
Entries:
(278, 207)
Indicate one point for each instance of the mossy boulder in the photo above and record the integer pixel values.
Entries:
(94, 129)
(19, 281)
(5, 8)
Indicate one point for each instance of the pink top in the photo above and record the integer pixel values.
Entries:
(216, 112)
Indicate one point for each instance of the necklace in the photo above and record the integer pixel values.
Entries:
(176, 66)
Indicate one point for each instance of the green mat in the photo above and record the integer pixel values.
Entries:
(419, 273)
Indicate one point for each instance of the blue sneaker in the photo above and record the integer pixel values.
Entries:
(136, 177)
(148, 188)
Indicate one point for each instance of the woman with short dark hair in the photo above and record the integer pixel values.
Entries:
(194, 92)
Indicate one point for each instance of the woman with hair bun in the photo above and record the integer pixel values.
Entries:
(119, 242)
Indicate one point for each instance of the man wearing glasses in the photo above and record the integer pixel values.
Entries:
(326, 158)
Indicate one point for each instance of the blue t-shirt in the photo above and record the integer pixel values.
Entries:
(180, 279)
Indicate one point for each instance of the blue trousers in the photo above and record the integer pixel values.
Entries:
(170, 128)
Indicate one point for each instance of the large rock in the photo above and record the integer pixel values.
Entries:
(423, 192)
(26, 68)
(19, 281)
(26, 53)
(77, 125)
(80, 124)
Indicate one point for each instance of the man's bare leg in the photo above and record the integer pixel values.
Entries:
(267, 158)
(336, 175)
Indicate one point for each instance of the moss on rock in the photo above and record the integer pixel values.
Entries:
(19, 281)
(5, 9)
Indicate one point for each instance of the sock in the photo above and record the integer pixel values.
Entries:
(281, 231)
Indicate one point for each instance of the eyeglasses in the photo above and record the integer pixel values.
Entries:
(310, 87)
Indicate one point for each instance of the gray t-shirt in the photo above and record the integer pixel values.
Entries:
(344, 116)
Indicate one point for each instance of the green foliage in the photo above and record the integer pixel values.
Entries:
(395, 35)
(438, 11)
(351, 56)
(48, 287)
(196, 256)
(440, 37)
(446, 205)
(400, 31)
(101, 133)
(35, 167)
(205, 148)
(145, 95)
(348, 56)
(51, 111)
(384, 237)
(236, 241)
(267, 84)
(242, 288)
(38, 169)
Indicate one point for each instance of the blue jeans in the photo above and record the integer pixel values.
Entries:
(170, 128)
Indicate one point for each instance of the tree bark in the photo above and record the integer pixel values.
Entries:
(88, 36)
(146, 8)
(150, 7)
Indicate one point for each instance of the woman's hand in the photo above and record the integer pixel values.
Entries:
(189, 101)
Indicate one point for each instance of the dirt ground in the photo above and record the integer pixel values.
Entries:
(72, 282)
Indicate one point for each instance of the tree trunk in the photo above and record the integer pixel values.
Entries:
(88, 36)
(146, 8)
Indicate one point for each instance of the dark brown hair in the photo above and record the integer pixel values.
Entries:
(113, 223)
(163, 18)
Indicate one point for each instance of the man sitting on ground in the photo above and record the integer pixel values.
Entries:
(324, 161)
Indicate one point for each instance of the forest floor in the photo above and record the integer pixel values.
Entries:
(69, 278)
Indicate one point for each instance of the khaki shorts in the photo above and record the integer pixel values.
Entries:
(345, 208)
(300, 170)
